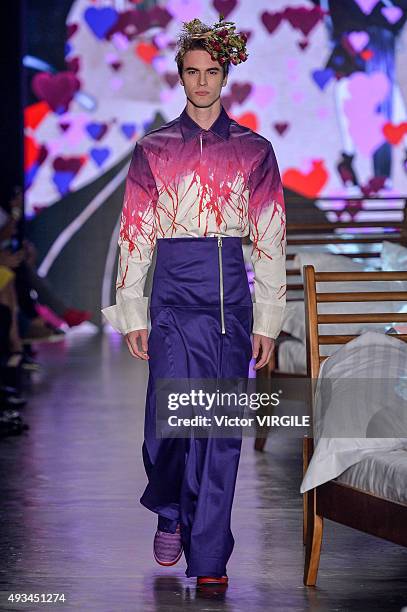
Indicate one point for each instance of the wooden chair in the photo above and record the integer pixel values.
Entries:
(338, 502)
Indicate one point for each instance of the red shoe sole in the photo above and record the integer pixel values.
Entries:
(168, 563)
(209, 580)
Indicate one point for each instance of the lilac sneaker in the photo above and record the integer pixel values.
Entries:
(167, 547)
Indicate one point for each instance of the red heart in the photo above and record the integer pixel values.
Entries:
(248, 120)
(367, 54)
(35, 113)
(394, 133)
(56, 89)
(31, 150)
(308, 185)
(146, 52)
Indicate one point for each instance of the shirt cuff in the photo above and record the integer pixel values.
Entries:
(267, 319)
(128, 316)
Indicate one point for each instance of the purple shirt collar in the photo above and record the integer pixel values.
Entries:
(190, 128)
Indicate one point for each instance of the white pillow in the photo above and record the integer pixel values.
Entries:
(294, 316)
(393, 257)
(373, 403)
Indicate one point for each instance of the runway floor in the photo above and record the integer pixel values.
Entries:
(71, 521)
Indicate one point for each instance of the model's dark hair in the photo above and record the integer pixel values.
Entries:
(192, 46)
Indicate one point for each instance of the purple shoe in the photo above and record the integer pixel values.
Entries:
(167, 547)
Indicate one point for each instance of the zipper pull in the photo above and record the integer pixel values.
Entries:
(200, 138)
(219, 240)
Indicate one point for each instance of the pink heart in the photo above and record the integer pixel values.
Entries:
(358, 40)
(367, 6)
(57, 90)
(392, 13)
(263, 94)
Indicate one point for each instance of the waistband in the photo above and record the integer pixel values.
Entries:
(200, 271)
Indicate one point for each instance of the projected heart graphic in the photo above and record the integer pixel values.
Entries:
(224, 7)
(281, 128)
(56, 89)
(358, 40)
(392, 13)
(128, 129)
(322, 77)
(394, 133)
(100, 155)
(271, 21)
(367, 6)
(247, 120)
(96, 130)
(171, 78)
(146, 52)
(308, 184)
(240, 91)
(101, 20)
(303, 18)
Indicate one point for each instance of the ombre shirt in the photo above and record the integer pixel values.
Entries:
(187, 181)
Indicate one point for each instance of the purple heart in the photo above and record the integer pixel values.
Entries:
(281, 127)
(367, 6)
(224, 7)
(271, 21)
(128, 129)
(100, 155)
(96, 130)
(240, 91)
(303, 18)
(64, 126)
(56, 89)
(67, 164)
(62, 181)
(358, 40)
(73, 64)
(159, 17)
(101, 20)
(227, 102)
(171, 78)
(322, 77)
(71, 28)
(392, 13)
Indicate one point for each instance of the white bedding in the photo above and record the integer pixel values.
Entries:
(376, 365)
(383, 474)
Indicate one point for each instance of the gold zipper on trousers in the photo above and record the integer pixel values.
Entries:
(222, 315)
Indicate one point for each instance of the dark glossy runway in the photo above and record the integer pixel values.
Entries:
(71, 521)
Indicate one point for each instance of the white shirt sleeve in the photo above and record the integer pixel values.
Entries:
(268, 235)
(137, 238)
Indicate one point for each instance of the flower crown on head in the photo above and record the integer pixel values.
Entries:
(220, 40)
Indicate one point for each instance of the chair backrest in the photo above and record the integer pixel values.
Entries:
(313, 318)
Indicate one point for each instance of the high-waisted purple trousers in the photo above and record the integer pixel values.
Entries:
(201, 322)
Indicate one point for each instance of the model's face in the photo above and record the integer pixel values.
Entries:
(202, 74)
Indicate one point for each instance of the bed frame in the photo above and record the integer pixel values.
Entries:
(332, 500)
(308, 226)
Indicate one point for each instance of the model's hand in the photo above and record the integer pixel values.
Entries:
(264, 346)
(134, 339)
